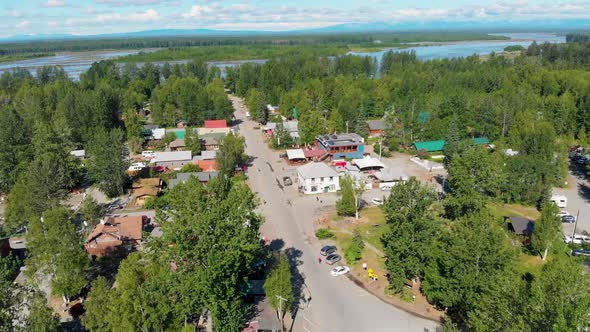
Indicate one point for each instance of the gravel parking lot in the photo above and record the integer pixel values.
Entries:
(578, 200)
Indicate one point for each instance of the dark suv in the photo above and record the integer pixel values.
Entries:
(327, 250)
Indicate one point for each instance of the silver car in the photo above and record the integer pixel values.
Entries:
(333, 258)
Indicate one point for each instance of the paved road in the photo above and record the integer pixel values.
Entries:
(336, 303)
(578, 200)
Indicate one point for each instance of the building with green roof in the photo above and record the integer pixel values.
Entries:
(430, 146)
(434, 146)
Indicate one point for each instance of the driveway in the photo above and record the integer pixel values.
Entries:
(578, 199)
(330, 304)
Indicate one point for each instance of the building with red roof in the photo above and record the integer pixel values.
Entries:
(215, 124)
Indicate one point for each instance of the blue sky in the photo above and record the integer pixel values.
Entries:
(86, 17)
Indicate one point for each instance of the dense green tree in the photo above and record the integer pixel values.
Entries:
(350, 196)
(559, 297)
(412, 228)
(278, 287)
(91, 211)
(98, 306)
(311, 125)
(192, 142)
(547, 229)
(41, 318)
(354, 252)
(14, 147)
(469, 262)
(231, 153)
(107, 161)
(55, 250)
(9, 293)
(473, 175)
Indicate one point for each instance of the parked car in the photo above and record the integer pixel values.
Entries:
(563, 213)
(327, 250)
(287, 181)
(580, 252)
(385, 188)
(333, 258)
(377, 201)
(582, 161)
(339, 270)
(577, 239)
(137, 167)
(568, 219)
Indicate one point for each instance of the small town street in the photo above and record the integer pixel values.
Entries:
(330, 304)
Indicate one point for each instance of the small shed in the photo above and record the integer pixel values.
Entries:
(376, 127)
(521, 226)
(177, 145)
(296, 155)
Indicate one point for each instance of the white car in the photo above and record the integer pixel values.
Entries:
(577, 239)
(377, 201)
(339, 270)
(563, 213)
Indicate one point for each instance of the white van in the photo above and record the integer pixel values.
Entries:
(559, 200)
(137, 167)
(147, 154)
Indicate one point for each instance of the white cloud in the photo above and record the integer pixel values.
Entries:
(23, 25)
(123, 3)
(54, 3)
(149, 15)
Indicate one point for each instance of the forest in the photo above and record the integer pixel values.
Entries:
(331, 40)
(537, 103)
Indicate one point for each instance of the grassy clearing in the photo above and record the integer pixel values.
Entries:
(504, 210)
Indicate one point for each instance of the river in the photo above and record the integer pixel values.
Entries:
(463, 49)
(75, 63)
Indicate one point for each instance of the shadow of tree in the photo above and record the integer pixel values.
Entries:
(584, 191)
(297, 282)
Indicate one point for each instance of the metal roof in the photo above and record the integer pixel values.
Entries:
(295, 154)
(430, 146)
(172, 156)
(340, 140)
(368, 162)
(316, 170)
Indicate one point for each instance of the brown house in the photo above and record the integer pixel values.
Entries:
(114, 234)
(177, 145)
(144, 189)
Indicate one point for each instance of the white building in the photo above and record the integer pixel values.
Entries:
(316, 178)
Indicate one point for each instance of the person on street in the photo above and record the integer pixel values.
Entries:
(319, 260)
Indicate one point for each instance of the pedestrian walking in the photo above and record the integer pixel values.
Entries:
(319, 260)
(317, 199)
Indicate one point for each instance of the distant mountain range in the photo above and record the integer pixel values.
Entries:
(496, 26)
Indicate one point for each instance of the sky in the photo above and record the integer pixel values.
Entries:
(88, 17)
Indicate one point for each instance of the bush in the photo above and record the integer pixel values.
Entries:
(354, 252)
(323, 233)
(189, 168)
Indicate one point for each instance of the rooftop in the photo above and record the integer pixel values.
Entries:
(368, 162)
(215, 124)
(171, 156)
(183, 177)
(120, 228)
(376, 124)
(340, 140)
(316, 170)
(522, 226)
(295, 154)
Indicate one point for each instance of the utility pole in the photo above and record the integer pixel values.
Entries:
(281, 299)
(576, 224)
(380, 147)
(347, 127)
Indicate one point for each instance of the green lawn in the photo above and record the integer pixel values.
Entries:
(505, 210)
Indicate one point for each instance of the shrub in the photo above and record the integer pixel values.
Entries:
(323, 233)
(354, 252)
